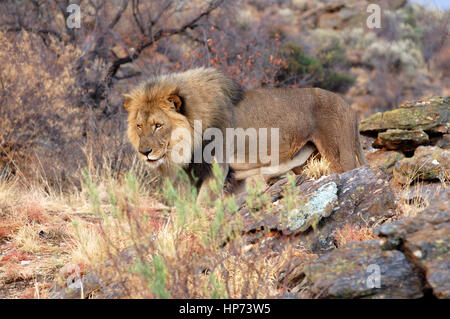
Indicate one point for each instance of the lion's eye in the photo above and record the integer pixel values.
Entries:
(139, 126)
(157, 126)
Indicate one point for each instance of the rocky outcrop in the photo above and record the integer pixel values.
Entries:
(425, 240)
(324, 206)
(360, 270)
(411, 260)
(418, 130)
(429, 116)
(404, 140)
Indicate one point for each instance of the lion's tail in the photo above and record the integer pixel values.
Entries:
(359, 150)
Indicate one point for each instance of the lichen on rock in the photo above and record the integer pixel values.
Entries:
(430, 116)
(313, 209)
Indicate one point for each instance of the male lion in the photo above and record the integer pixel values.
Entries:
(308, 120)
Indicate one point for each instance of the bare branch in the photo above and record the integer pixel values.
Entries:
(166, 6)
(137, 16)
(192, 24)
(119, 14)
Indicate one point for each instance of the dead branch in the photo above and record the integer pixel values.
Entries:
(162, 33)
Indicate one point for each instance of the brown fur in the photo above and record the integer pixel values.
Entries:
(178, 99)
(305, 115)
(308, 119)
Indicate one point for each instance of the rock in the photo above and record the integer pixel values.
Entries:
(360, 270)
(429, 163)
(425, 240)
(385, 159)
(444, 142)
(404, 140)
(430, 116)
(98, 283)
(412, 259)
(313, 208)
(324, 206)
(79, 288)
(339, 14)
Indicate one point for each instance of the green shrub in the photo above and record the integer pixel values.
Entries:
(319, 71)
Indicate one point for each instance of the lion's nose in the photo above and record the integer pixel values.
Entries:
(146, 153)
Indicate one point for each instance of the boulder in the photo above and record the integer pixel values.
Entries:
(79, 288)
(404, 140)
(98, 283)
(425, 240)
(360, 270)
(429, 163)
(411, 260)
(430, 116)
(360, 197)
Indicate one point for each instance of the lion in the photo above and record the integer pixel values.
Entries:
(162, 115)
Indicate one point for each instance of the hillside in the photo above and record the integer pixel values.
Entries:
(82, 217)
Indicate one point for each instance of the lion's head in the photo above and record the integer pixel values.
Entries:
(161, 113)
(153, 117)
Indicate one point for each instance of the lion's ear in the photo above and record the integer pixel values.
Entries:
(177, 102)
(127, 102)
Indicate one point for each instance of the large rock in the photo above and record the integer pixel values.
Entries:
(425, 240)
(360, 197)
(385, 159)
(430, 116)
(360, 270)
(429, 163)
(404, 140)
(407, 129)
(412, 259)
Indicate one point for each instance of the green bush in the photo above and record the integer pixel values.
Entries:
(314, 70)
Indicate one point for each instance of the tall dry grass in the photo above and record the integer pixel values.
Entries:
(186, 251)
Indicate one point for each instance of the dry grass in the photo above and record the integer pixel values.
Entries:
(178, 251)
(317, 167)
(414, 198)
(39, 96)
(352, 233)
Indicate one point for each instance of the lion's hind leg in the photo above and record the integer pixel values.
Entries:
(339, 152)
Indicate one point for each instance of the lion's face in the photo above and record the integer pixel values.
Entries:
(154, 131)
(152, 120)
